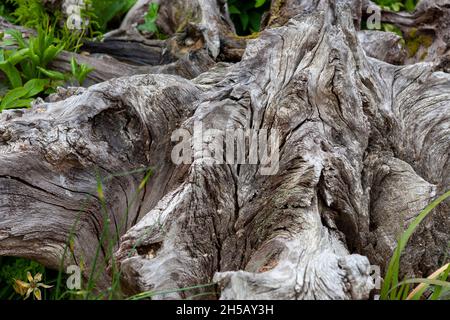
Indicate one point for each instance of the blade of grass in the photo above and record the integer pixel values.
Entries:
(434, 282)
(391, 278)
(104, 234)
(423, 286)
(66, 247)
(439, 290)
(149, 294)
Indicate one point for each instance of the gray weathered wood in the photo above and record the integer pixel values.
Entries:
(364, 147)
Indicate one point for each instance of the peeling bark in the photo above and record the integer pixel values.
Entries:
(364, 147)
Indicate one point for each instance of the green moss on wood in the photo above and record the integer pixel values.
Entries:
(415, 40)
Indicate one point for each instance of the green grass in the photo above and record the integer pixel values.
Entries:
(25, 64)
(393, 288)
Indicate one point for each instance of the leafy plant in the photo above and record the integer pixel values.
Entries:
(397, 5)
(31, 58)
(246, 15)
(97, 14)
(26, 67)
(391, 28)
(32, 14)
(29, 13)
(29, 64)
(5, 12)
(105, 11)
(21, 97)
(150, 18)
(79, 71)
(392, 288)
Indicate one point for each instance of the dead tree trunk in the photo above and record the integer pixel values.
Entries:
(363, 148)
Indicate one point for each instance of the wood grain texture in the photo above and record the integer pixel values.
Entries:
(364, 147)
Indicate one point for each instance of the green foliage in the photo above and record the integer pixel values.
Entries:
(26, 68)
(106, 11)
(79, 71)
(5, 12)
(37, 51)
(394, 5)
(32, 14)
(397, 5)
(150, 18)
(21, 97)
(415, 40)
(99, 14)
(149, 24)
(246, 15)
(29, 13)
(392, 288)
(391, 28)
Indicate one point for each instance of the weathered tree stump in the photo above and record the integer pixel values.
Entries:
(364, 147)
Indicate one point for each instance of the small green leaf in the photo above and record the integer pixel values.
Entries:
(233, 10)
(260, 3)
(51, 53)
(8, 43)
(54, 75)
(150, 19)
(255, 21)
(397, 6)
(17, 36)
(29, 69)
(73, 66)
(20, 103)
(244, 20)
(18, 56)
(12, 73)
(79, 71)
(35, 86)
(33, 56)
(410, 5)
(11, 96)
(153, 10)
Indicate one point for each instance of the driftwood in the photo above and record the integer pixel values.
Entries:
(363, 148)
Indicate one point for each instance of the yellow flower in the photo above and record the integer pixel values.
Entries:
(27, 288)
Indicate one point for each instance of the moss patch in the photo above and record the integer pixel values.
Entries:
(415, 40)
